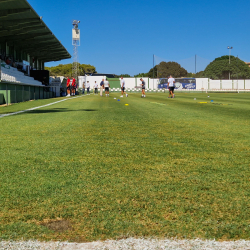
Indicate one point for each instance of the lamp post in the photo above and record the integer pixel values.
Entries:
(229, 57)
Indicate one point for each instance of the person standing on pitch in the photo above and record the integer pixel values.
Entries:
(101, 86)
(96, 88)
(106, 86)
(88, 86)
(171, 82)
(68, 86)
(143, 88)
(73, 86)
(123, 87)
(83, 88)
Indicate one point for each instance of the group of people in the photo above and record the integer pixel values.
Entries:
(104, 86)
(71, 86)
(87, 86)
(171, 86)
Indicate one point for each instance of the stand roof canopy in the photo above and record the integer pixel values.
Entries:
(21, 27)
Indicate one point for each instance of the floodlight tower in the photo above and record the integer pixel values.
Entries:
(75, 43)
(230, 48)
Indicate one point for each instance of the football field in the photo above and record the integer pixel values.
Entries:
(91, 167)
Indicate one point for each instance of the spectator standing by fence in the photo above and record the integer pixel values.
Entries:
(83, 88)
(101, 87)
(68, 86)
(96, 88)
(73, 86)
(88, 86)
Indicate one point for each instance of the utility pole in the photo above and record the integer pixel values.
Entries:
(195, 65)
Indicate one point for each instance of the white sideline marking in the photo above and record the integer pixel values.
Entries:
(22, 111)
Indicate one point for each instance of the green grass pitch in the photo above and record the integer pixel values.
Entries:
(92, 168)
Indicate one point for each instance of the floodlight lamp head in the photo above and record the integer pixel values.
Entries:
(75, 24)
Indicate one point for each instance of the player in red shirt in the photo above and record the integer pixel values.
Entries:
(74, 86)
(68, 86)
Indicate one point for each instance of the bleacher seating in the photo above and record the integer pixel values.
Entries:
(11, 74)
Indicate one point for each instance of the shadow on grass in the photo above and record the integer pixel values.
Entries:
(44, 111)
(59, 110)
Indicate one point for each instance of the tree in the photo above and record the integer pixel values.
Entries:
(86, 69)
(220, 68)
(66, 69)
(123, 75)
(164, 69)
(190, 75)
(152, 72)
(141, 75)
(199, 74)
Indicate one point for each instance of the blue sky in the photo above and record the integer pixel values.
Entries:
(121, 36)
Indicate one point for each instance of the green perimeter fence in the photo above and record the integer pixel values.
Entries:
(14, 93)
(114, 82)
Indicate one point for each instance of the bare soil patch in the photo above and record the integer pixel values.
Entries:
(57, 225)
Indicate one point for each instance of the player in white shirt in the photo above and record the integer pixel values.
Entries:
(96, 88)
(88, 86)
(171, 82)
(106, 86)
(123, 87)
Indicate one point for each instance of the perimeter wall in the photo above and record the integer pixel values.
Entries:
(14, 92)
(208, 84)
(201, 83)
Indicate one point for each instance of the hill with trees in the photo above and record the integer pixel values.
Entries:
(164, 69)
(217, 69)
(220, 68)
(141, 75)
(66, 69)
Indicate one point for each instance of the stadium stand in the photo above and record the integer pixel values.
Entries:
(26, 43)
(11, 74)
